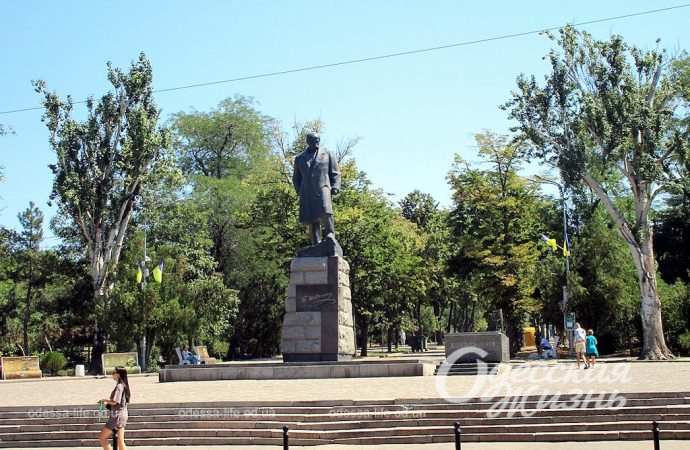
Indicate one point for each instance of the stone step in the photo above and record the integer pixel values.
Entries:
(392, 421)
(350, 424)
(373, 415)
(369, 440)
(173, 441)
(258, 412)
(292, 405)
(333, 435)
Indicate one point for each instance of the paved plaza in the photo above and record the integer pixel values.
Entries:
(614, 377)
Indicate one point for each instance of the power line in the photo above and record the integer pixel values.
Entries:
(392, 55)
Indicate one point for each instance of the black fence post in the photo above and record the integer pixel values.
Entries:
(286, 443)
(655, 433)
(115, 439)
(458, 443)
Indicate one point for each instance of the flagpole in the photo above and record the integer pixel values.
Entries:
(566, 287)
(568, 334)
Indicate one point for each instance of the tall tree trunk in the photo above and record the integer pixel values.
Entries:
(390, 338)
(99, 342)
(641, 246)
(27, 317)
(653, 342)
(96, 365)
(451, 318)
(418, 312)
(150, 341)
(365, 336)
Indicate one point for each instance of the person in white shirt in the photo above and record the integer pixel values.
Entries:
(580, 337)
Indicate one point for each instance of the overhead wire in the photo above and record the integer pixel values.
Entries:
(389, 55)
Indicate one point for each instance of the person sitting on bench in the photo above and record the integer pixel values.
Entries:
(546, 348)
(189, 357)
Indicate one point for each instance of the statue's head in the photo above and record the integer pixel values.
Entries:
(313, 140)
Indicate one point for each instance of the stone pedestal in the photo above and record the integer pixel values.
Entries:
(318, 311)
(494, 343)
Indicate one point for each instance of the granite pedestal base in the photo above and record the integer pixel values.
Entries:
(494, 343)
(318, 323)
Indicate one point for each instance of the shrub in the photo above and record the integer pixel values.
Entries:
(684, 341)
(53, 362)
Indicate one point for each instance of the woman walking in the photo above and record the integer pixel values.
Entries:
(117, 404)
(591, 353)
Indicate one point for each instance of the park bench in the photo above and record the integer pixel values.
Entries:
(129, 360)
(202, 352)
(16, 367)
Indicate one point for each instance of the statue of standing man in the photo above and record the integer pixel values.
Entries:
(316, 178)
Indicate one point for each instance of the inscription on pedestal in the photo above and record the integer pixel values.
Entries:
(317, 297)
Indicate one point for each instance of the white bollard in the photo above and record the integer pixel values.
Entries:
(79, 370)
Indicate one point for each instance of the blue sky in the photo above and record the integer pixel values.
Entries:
(413, 113)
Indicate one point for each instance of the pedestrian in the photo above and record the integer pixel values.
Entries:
(591, 352)
(117, 404)
(580, 337)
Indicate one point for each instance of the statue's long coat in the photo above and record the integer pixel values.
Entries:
(313, 179)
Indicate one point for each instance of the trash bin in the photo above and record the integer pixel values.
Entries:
(79, 370)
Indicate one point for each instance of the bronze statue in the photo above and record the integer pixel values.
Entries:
(316, 178)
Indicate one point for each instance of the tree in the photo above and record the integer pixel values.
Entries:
(422, 210)
(496, 228)
(609, 116)
(383, 250)
(603, 282)
(419, 208)
(31, 236)
(10, 269)
(672, 238)
(103, 163)
(220, 152)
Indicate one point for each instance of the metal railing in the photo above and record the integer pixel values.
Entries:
(457, 431)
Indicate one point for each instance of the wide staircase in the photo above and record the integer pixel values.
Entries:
(359, 422)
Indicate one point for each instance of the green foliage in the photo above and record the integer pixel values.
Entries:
(496, 228)
(53, 362)
(384, 252)
(671, 238)
(104, 162)
(676, 310)
(611, 116)
(225, 142)
(684, 341)
(605, 106)
(219, 211)
(419, 208)
(603, 283)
